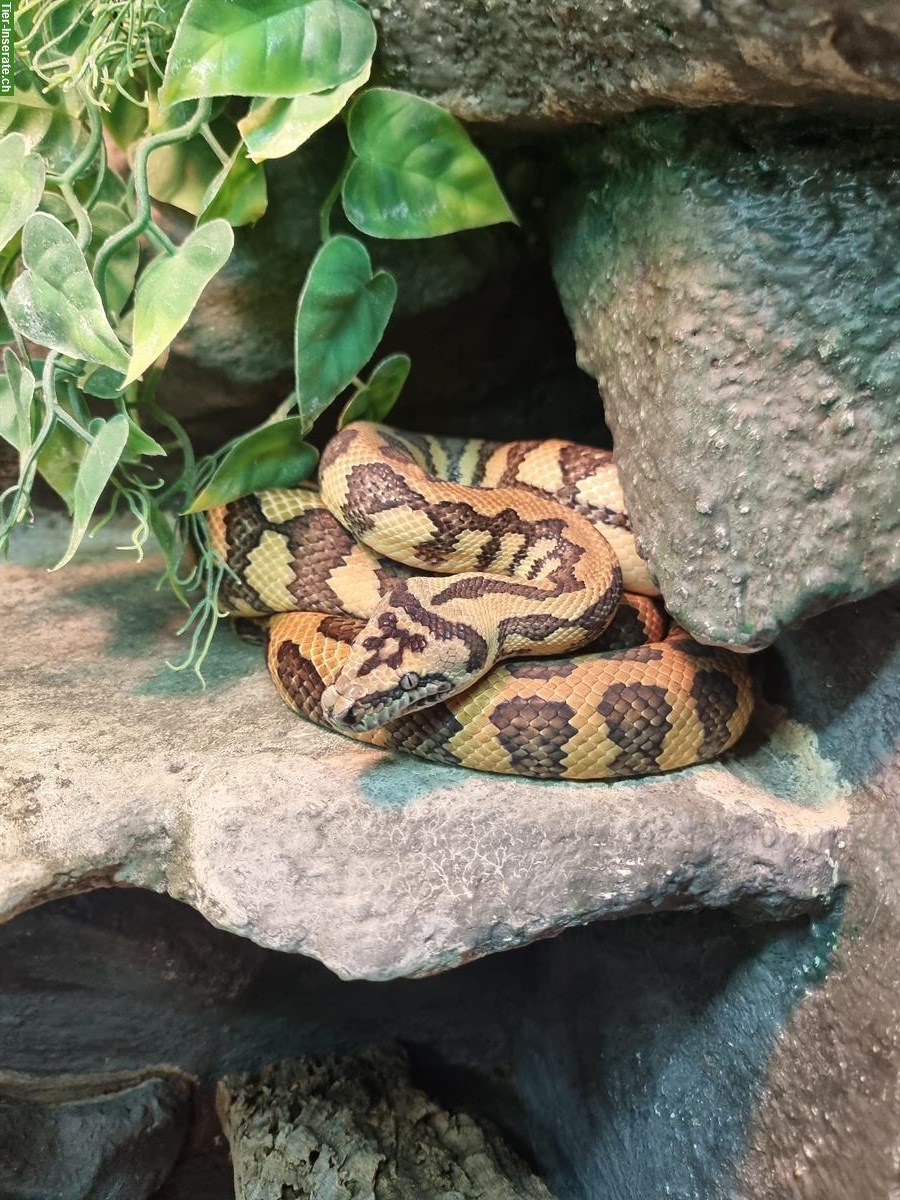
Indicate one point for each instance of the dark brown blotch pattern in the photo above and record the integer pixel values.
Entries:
(300, 680)
(426, 733)
(637, 718)
(715, 695)
(534, 733)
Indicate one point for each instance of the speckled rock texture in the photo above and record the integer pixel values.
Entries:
(733, 288)
(112, 1137)
(117, 771)
(552, 61)
(357, 1127)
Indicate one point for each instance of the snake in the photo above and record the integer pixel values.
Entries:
(476, 604)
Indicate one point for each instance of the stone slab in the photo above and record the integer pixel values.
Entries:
(548, 62)
(118, 772)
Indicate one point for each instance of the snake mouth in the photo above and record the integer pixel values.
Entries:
(360, 714)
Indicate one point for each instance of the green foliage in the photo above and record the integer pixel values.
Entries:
(94, 471)
(375, 400)
(21, 185)
(170, 288)
(54, 301)
(276, 127)
(89, 278)
(417, 173)
(273, 456)
(266, 48)
(343, 311)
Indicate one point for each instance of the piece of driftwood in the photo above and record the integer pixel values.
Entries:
(357, 1129)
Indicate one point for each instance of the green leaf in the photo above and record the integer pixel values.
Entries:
(170, 287)
(182, 172)
(50, 128)
(273, 456)
(276, 127)
(60, 460)
(341, 318)
(164, 534)
(103, 382)
(374, 401)
(266, 48)
(417, 173)
(139, 441)
(94, 473)
(21, 185)
(237, 194)
(121, 270)
(54, 301)
(16, 395)
(9, 417)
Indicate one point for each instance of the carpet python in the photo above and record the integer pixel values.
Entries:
(413, 590)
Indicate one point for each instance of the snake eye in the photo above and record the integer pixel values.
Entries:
(409, 681)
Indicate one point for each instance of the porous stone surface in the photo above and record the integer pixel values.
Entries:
(113, 1137)
(732, 287)
(117, 771)
(346, 1127)
(553, 61)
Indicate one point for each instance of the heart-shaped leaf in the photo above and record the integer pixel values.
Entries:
(341, 318)
(417, 173)
(266, 48)
(170, 287)
(54, 301)
(273, 456)
(276, 127)
(94, 473)
(237, 194)
(21, 185)
(374, 401)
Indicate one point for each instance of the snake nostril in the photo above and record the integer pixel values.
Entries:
(409, 681)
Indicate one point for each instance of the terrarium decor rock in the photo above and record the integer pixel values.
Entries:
(90, 1137)
(559, 62)
(731, 285)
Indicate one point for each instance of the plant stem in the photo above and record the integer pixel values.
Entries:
(331, 199)
(143, 219)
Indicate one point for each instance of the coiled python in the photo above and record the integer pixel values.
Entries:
(445, 668)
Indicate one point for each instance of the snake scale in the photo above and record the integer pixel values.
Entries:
(413, 591)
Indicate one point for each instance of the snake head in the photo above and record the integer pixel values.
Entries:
(397, 664)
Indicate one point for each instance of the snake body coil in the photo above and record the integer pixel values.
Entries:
(366, 643)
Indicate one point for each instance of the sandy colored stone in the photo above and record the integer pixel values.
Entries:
(117, 771)
(732, 286)
(553, 61)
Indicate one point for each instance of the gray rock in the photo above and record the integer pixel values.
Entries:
(554, 61)
(113, 1137)
(346, 1127)
(732, 287)
(118, 771)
